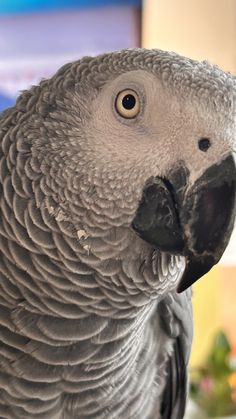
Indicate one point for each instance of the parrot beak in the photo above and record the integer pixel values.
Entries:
(196, 223)
(208, 218)
(195, 269)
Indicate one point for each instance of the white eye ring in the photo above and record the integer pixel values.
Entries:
(127, 104)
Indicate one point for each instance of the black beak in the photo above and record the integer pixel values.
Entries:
(196, 223)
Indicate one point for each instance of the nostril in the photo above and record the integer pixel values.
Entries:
(204, 144)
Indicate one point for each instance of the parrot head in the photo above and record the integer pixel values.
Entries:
(141, 142)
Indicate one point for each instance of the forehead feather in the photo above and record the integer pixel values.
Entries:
(184, 76)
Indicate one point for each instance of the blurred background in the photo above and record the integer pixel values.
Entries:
(38, 36)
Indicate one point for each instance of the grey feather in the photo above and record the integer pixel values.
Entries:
(90, 322)
(176, 315)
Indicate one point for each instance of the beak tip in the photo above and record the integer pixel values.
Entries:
(196, 267)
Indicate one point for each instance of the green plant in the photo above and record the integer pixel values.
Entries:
(213, 386)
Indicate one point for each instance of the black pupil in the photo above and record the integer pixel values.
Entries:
(128, 101)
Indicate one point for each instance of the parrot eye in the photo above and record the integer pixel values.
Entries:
(127, 104)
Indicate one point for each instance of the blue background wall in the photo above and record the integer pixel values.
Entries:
(16, 6)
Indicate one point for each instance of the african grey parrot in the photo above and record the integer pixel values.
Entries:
(117, 193)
